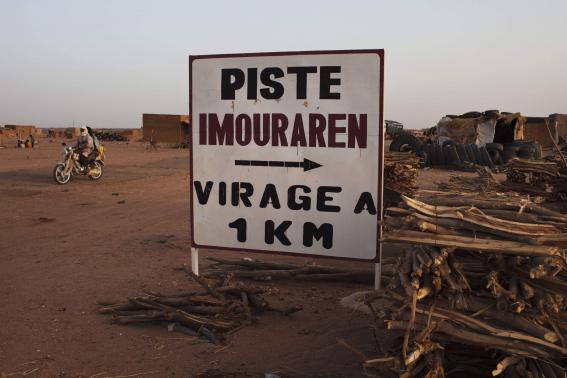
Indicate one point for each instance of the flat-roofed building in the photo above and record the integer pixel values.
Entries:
(165, 128)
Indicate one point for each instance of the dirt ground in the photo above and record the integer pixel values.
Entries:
(64, 247)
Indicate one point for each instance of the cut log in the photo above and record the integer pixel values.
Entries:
(474, 216)
(452, 225)
(463, 242)
(500, 204)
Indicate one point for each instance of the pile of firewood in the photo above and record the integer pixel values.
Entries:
(484, 182)
(482, 291)
(209, 313)
(494, 225)
(248, 268)
(400, 172)
(543, 178)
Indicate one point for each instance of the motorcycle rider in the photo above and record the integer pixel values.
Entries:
(84, 147)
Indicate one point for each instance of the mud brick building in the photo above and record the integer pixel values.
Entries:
(165, 128)
(535, 128)
(23, 131)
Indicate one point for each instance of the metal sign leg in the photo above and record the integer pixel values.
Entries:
(377, 276)
(378, 266)
(195, 260)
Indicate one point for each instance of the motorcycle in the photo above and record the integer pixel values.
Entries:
(63, 172)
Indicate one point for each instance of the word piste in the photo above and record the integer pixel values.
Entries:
(234, 79)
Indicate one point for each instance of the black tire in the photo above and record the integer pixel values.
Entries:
(516, 145)
(95, 172)
(433, 157)
(440, 154)
(530, 151)
(403, 141)
(59, 177)
(495, 146)
(508, 154)
(422, 154)
(470, 153)
(526, 152)
(447, 143)
(447, 158)
(453, 156)
(470, 115)
(495, 156)
(486, 157)
(429, 154)
(462, 153)
(477, 155)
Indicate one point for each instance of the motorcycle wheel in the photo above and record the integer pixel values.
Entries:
(59, 176)
(95, 172)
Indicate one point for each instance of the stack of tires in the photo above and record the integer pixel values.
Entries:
(491, 155)
(521, 148)
(452, 154)
(405, 142)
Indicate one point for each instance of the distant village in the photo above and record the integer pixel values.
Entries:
(158, 128)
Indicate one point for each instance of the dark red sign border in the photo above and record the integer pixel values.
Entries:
(379, 215)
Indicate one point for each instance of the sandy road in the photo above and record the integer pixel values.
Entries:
(63, 247)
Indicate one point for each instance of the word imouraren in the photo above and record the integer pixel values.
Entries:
(270, 129)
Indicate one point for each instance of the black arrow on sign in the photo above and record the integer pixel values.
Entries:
(306, 164)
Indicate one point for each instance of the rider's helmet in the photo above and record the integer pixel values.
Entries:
(84, 131)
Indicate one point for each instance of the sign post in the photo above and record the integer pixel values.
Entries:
(195, 261)
(287, 153)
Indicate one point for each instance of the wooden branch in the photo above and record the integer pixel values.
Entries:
(462, 242)
(466, 337)
(205, 285)
(498, 332)
(455, 224)
(469, 215)
(505, 364)
(555, 143)
(259, 274)
(253, 264)
(501, 204)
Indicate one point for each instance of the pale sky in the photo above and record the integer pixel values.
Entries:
(104, 63)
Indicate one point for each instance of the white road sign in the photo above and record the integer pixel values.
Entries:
(287, 151)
